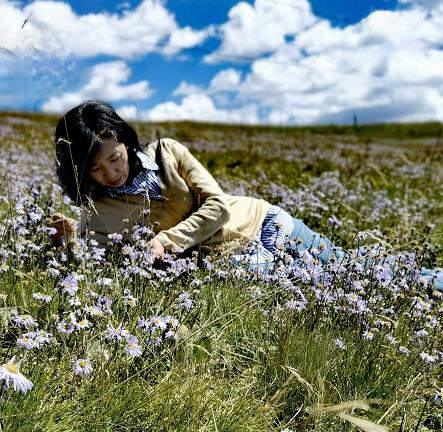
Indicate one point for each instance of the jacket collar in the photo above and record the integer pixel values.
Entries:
(147, 162)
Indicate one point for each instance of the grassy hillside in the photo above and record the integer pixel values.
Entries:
(116, 343)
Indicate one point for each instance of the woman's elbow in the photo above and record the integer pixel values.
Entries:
(225, 211)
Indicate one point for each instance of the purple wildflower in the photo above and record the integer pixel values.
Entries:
(428, 358)
(44, 298)
(184, 301)
(133, 348)
(81, 367)
(333, 221)
(70, 284)
(339, 344)
(403, 350)
(25, 320)
(116, 333)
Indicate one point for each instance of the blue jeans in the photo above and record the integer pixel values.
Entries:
(303, 238)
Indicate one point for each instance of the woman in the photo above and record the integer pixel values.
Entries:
(102, 168)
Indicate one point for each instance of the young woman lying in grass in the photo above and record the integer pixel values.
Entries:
(119, 185)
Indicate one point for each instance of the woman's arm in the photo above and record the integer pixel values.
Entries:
(212, 210)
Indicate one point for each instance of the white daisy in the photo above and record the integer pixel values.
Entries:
(81, 366)
(11, 376)
(133, 349)
(82, 324)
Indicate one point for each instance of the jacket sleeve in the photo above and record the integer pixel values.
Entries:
(212, 209)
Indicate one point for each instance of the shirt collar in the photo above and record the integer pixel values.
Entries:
(147, 162)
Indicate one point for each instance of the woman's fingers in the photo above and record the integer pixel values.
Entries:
(157, 249)
(58, 215)
(64, 226)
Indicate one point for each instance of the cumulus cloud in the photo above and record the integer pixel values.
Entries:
(385, 68)
(201, 107)
(186, 37)
(253, 30)
(106, 81)
(185, 89)
(377, 69)
(226, 80)
(128, 112)
(53, 27)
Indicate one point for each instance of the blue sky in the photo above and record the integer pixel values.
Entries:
(255, 61)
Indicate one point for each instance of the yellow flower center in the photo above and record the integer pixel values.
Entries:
(82, 363)
(11, 367)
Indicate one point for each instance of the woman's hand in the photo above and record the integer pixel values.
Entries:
(65, 226)
(157, 249)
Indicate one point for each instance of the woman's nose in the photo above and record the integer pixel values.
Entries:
(108, 173)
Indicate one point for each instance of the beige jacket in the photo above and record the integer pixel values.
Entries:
(195, 210)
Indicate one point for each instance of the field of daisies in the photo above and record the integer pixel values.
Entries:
(114, 342)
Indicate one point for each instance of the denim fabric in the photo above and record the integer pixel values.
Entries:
(303, 238)
(435, 276)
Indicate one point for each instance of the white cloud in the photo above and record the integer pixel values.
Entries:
(53, 27)
(378, 68)
(107, 82)
(128, 112)
(226, 80)
(201, 107)
(387, 67)
(186, 37)
(185, 89)
(253, 30)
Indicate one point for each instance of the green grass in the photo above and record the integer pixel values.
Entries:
(243, 360)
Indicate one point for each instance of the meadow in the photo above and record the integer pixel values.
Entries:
(95, 342)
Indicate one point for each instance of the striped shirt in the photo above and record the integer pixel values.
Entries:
(269, 242)
(145, 183)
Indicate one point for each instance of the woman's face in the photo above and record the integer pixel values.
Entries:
(110, 166)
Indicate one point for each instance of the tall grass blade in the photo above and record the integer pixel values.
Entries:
(363, 424)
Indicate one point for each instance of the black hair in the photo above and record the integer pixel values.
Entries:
(78, 138)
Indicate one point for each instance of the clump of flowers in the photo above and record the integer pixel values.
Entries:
(185, 301)
(25, 320)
